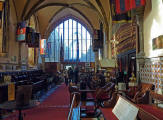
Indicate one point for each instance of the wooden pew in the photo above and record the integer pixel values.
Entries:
(151, 111)
(146, 111)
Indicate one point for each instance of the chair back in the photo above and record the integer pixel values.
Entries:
(146, 87)
(23, 95)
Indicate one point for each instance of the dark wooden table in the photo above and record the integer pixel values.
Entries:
(11, 105)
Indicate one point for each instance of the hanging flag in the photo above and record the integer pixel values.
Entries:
(119, 18)
(21, 31)
(123, 6)
(42, 46)
(36, 39)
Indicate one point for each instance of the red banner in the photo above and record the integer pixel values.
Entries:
(126, 5)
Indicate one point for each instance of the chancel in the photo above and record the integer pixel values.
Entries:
(81, 60)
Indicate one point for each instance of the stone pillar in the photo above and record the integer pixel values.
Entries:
(43, 64)
(105, 46)
(96, 61)
(109, 42)
(19, 55)
(140, 60)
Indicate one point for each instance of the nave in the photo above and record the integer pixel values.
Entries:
(81, 59)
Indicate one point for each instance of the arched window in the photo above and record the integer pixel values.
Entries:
(70, 41)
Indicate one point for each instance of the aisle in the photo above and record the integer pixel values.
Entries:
(55, 107)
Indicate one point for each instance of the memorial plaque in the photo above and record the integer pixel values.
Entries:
(7, 78)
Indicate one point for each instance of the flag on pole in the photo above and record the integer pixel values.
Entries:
(123, 6)
(21, 31)
(119, 18)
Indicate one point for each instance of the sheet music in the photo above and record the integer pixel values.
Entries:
(124, 110)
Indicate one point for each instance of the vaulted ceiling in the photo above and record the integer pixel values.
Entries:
(48, 12)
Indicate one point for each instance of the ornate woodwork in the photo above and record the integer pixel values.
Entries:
(126, 37)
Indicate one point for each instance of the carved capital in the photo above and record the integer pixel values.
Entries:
(141, 58)
(140, 55)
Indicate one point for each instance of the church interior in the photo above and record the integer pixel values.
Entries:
(81, 59)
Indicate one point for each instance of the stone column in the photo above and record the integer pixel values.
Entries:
(96, 61)
(104, 46)
(109, 41)
(19, 55)
(140, 55)
(43, 64)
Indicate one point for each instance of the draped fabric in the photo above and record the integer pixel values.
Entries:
(119, 18)
(123, 6)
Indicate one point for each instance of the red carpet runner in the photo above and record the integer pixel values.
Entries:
(55, 107)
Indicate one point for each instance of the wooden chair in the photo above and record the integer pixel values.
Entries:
(99, 95)
(111, 102)
(142, 95)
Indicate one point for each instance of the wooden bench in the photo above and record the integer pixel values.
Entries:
(125, 105)
(152, 111)
(146, 111)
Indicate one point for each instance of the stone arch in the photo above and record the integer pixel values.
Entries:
(83, 21)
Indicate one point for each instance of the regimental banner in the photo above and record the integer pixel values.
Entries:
(119, 18)
(37, 40)
(32, 38)
(21, 31)
(42, 47)
(97, 40)
(11, 92)
(123, 6)
(153, 73)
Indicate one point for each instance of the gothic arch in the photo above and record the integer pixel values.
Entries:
(78, 17)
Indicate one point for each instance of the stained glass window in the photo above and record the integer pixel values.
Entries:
(70, 41)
